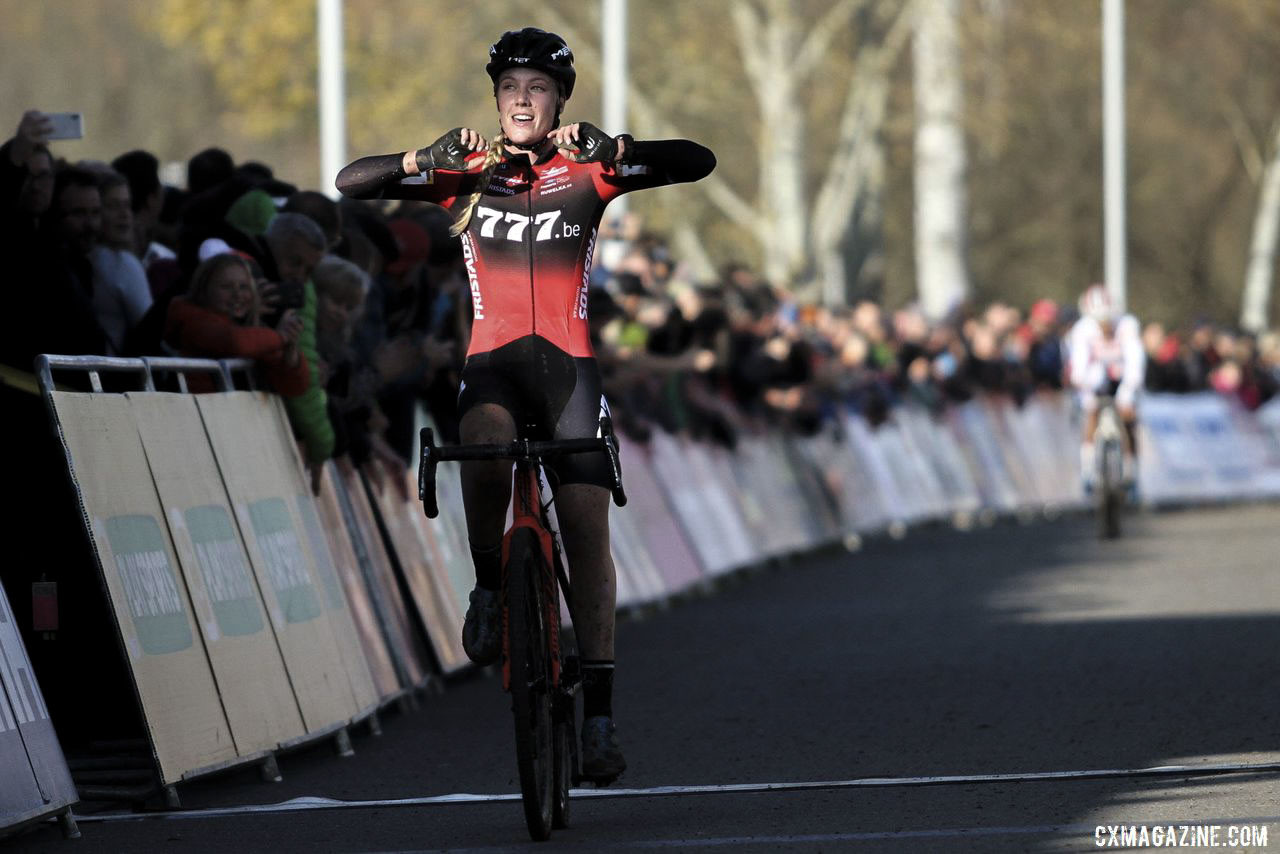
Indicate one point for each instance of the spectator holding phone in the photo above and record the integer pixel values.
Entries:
(47, 237)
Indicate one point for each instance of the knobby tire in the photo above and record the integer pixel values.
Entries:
(531, 683)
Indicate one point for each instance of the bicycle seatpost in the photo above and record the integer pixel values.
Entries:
(427, 473)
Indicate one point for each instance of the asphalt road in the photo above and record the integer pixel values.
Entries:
(1010, 650)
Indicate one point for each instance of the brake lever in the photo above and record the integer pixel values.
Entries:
(427, 473)
(615, 465)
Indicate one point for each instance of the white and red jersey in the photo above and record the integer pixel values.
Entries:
(1096, 360)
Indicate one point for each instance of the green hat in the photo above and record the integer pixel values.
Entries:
(252, 213)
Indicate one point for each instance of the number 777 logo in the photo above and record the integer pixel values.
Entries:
(544, 224)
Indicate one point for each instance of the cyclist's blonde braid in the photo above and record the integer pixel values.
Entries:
(491, 159)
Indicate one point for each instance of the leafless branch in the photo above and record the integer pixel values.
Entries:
(649, 122)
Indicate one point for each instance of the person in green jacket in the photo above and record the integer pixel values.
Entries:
(297, 244)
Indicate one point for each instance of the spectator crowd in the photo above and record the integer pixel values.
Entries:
(357, 312)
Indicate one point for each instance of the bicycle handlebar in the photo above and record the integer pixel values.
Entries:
(526, 450)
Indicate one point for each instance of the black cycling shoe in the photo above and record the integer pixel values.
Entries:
(602, 761)
(482, 629)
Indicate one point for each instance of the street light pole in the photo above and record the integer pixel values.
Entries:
(1113, 144)
(613, 37)
(333, 118)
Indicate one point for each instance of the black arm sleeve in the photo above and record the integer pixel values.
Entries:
(367, 177)
(678, 159)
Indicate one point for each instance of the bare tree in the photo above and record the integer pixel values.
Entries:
(801, 234)
(940, 160)
(1262, 246)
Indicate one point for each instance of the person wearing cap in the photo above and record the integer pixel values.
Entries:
(528, 206)
(1105, 356)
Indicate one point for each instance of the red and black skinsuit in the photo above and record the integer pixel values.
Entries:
(528, 251)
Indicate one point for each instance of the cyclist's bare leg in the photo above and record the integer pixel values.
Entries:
(486, 491)
(1129, 420)
(1090, 424)
(1086, 444)
(486, 484)
(583, 512)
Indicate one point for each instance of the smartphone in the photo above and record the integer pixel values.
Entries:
(291, 295)
(66, 125)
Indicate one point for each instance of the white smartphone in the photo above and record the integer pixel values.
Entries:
(66, 125)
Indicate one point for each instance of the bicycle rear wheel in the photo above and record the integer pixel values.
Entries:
(530, 663)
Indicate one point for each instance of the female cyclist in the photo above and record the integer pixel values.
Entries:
(527, 206)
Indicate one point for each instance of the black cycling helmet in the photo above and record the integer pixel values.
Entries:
(533, 48)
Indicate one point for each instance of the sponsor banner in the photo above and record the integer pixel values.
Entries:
(762, 501)
(878, 476)
(978, 439)
(910, 462)
(637, 573)
(823, 512)
(1050, 423)
(790, 480)
(319, 543)
(338, 606)
(393, 615)
(1002, 415)
(34, 779)
(259, 467)
(717, 462)
(180, 703)
(418, 553)
(684, 491)
(373, 645)
(663, 537)
(1193, 447)
(931, 438)
(836, 465)
(256, 694)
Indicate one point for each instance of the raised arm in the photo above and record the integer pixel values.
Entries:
(383, 176)
(677, 160)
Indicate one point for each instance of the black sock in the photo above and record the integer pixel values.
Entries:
(488, 563)
(597, 688)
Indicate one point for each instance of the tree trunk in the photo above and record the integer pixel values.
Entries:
(769, 46)
(1262, 248)
(848, 213)
(940, 161)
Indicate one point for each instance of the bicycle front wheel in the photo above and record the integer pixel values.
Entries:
(1111, 490)
(530, 662)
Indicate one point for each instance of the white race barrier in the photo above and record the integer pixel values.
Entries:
(1204, 447)
(342, 628)
(34, 780)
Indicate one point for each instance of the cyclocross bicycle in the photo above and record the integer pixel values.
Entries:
(540, 667)
(1108, 444)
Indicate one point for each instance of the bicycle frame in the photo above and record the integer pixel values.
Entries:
(529, 512)
(547, 690)
(527, 508)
